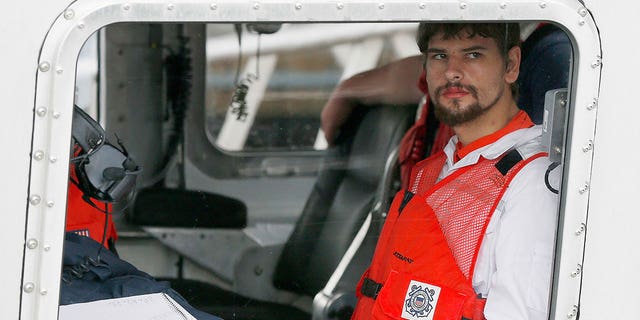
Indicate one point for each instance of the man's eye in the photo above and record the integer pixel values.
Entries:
(474, 55)
(438, 56)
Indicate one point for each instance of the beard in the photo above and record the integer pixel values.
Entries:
(458, 114)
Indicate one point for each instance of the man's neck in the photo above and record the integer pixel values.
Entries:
(491, 121)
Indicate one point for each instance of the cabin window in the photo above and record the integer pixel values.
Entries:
(265, 89)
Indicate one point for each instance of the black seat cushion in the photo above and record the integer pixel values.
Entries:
(162, 207)
(341, 199)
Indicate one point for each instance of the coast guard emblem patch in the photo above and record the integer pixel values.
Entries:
(420, 301)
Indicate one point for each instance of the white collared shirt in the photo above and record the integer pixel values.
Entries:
(514, 266)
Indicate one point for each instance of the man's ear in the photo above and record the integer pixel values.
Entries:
(513, 65)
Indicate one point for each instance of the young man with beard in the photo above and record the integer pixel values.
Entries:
(473, 236)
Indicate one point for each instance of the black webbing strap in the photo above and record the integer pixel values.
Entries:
(508, 161)
(370, 288)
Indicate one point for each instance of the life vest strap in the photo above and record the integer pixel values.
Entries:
(370, 288)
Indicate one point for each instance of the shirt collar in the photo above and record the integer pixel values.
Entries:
(515, 134)
(520, 121)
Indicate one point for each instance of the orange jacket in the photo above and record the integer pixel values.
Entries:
(424, 262)
(86, 220)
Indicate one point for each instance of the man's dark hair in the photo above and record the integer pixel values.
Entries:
(506, 35)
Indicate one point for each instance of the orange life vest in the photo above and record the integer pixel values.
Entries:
(424, 261)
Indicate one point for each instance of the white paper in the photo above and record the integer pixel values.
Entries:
(155, 306)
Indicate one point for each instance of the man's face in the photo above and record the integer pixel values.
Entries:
(466, 76)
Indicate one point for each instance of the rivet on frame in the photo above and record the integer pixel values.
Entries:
(53, 159)
(47, 247)
(256, 6)
(593, 104)
(298, 6)
(126, 6)
(28, 287)
(170, 6)
(580, 230)
(56, 114)
(69, 14)
(213, 6)
(38, 155)
(422, 5)
(573, 313)
(44, 292)
(503, 5)
(584, 188)
(381, 6)
(35, 199)
(576, 272)
(41, 111)
(340, 6)
(581, 22)
(596, 63)
(587, 147)
(44, 66)
(543, 4)
(81, 25)
(32, 243)
(463, 5)
(582, 12)
(59, 70)
(50, 203)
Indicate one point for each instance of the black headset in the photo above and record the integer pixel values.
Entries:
(104, 171)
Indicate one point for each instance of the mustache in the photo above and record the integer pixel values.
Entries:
(471, 89)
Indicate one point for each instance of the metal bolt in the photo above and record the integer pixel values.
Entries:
(573, 313)
(69, 14)
(59, 70)
(213, 6)
(298, 6)
(56, 114)
(38, 155)
(587, 147)
(381, 6)
(47, 248)
(582, 11)
(584, 188)
(81, 25)
(44, 292)
(543, 4)
(256, 6)
(576, 272)
(463, 5)
(580, 230)
(596, 63)
(35, 199)
(170, 6)
(593, 104)
(257, 270)
(44, 66)
(50, 203)
(340, 6)
(581, 22)
(503, 5)
(422, 5)
(53, 159)
(28, 287)
(32, 243)
(557, 149)
(126, 6)
(41, 111)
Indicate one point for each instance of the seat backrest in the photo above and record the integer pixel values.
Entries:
(341, 198)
